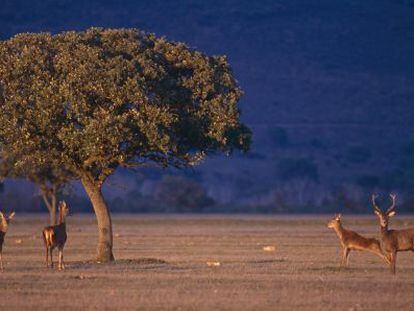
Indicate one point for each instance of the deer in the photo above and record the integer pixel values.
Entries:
(55, 236)
(392, 241)
(4, 226)
(350, 240)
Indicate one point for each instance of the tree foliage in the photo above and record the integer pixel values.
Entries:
(99, 99)
(85, 103)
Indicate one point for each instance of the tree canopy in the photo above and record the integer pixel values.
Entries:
(85, 103)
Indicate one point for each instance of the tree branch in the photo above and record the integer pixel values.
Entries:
(45, 194)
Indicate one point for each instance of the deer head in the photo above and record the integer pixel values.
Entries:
(335, 222)
(384, 217)
(5, 220)
(63, 211)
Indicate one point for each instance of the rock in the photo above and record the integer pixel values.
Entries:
(269, 248)
(213, 263)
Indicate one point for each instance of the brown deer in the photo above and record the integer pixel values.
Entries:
(4, 225)
(55, 236)
(351, 240)
(392, 241)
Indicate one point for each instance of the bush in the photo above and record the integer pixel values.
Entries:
(180, 194)
(289, 169)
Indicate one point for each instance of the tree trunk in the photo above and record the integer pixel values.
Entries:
(94, 191)
(51, 205)
(53, 212)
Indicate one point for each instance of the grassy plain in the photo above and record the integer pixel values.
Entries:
(162, 264)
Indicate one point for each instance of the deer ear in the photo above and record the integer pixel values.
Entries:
(390, 214)
(1, 215)
(377, 212)
(12, 215)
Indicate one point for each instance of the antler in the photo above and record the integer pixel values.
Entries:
(393, 196)
(373, 197)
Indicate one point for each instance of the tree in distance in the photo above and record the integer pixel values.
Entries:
(49, 178)
(83, 104)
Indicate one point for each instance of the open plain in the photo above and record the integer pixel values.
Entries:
(212, 262)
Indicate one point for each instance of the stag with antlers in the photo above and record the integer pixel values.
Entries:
(392, 241)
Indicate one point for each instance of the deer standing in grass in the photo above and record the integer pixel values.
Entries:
(4, 225)
(351, 240)
(392, 241)
(55, 236)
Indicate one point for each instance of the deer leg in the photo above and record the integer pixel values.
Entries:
(379, 252)
(347, 252)
(63, 263)
(47, 257)
(388, 255)
(393, 257)
(385, 257)
(344, 252)
(1, 260)
(51, 257)
(60, 259)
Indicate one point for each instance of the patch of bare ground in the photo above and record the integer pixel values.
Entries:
(203, 263)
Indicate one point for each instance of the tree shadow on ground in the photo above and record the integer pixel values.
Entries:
(142, 263)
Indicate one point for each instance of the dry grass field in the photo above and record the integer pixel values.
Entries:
(162, 264)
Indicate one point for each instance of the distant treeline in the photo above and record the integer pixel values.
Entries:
(181, 194)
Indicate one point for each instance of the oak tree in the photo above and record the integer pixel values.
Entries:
(86, 103)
